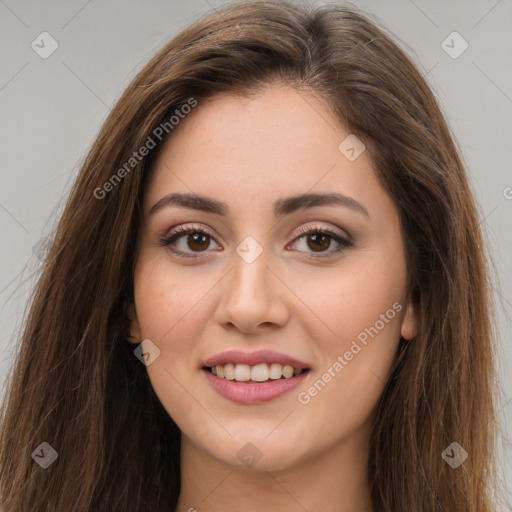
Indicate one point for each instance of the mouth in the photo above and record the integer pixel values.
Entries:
(255, 374)
(253, 377)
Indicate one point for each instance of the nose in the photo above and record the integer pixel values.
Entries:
(252, 298)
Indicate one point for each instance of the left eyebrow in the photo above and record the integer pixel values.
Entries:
(283, 206)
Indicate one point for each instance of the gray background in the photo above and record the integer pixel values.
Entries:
(52, 108)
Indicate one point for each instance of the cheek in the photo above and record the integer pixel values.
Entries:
(165, 297)
(364, 306)
(170, 313)
(352, 298)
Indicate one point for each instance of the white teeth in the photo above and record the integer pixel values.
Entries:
(257, 373)
(276, 371)
(287, 371)
(242, 372)
(229, 371)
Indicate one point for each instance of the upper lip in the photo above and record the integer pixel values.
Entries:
(253, 358)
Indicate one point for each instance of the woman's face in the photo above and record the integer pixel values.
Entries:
(256, 293)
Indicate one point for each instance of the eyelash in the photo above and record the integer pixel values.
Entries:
(181, 231)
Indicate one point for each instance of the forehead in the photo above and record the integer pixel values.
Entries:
(250, 151)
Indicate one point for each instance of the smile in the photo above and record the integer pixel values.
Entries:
(253, 377)
(258, 373)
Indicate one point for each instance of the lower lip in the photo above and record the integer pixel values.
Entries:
(255, 393)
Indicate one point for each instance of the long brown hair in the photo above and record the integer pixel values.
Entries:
(76, 383)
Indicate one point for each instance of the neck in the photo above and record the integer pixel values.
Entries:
(333, 481)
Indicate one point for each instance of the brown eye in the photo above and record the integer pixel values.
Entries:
(318, 240)
(190, 242)
(185, 242)
(198, 241)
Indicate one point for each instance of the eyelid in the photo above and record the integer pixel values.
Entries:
(304, 230)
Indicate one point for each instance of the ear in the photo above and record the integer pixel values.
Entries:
(134, 336)
(410, 322)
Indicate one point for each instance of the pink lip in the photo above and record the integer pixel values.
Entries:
(253, 358)
(244, 393)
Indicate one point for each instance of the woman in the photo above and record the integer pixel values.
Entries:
(267, 291)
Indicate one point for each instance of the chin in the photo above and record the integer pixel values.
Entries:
(253, 449)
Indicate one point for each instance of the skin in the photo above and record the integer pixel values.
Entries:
(248, 152)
